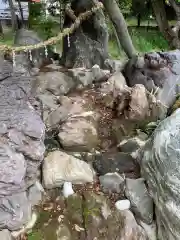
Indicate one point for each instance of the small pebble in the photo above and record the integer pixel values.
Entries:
(67, 189)
(122, 204)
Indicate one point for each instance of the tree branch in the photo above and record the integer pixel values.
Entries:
(176, 8)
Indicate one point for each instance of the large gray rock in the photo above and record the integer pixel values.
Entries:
(121, 163)
(78, 135)
(5, 235)
(142, 204)
(15, 211)
(112, 182)
(59, 167)
(22, 144)
(161, 169)
(114, 65)
(85, 77)
(158, 73)
(35, 194)
(57, 83)
(26, 37)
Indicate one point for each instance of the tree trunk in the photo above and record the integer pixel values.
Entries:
(13, 15)
(21, 12)
(138, 20)
(161, 19)
(1, 29)
(88, 45)
(176, 8)
(120, 25)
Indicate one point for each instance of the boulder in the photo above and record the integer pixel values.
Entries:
(78, 135)
(112, 182)
(141, 203)
(26, 37)
(121, 163)
(115, 86)
(138, 105)
(59, 167)
(159, 73)
(58, 83)
(34, 194)
(114, 65)
(151, 230)
(132, 145)
(5, 235)
(131, 229)
(15, 211)
(22, 144)
(85, 77)
(160, 168)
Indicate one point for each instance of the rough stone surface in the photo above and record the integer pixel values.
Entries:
(89, 43)
(160, 70)
(59, 167)
(150, 230)
(86, 77)
(26, 37)
(138, 104)
(78, 134)
(114, 65)
(5, 235)
(115, 86)
(34, 194)
(22, 143)
(160, 168)
(112, 182)
(141, 203)
(121, 163)
(15, 211)
(131, 145)
(58, 83)
(88, 216)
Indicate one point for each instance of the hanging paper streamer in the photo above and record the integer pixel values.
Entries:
(69, 44)
(14, 58)
(46, 9)
(30, 55)
(46, 51)
(55, 50)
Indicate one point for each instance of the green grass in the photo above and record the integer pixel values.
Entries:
(143, 40)
(8, 38)
(132, 21)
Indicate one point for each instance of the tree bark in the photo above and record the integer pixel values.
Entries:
(120, 25)
(161, 19)
(88, 45)
(13, 15)
(176, 8)
(1, 29)
(21, 12)
(139, 20)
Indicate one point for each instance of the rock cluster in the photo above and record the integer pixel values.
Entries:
(117, 182)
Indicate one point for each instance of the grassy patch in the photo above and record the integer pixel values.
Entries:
(8, 38)
(143, 40)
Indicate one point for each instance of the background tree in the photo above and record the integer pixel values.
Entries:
(120, 26)
(13, 15)
(21, 12)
